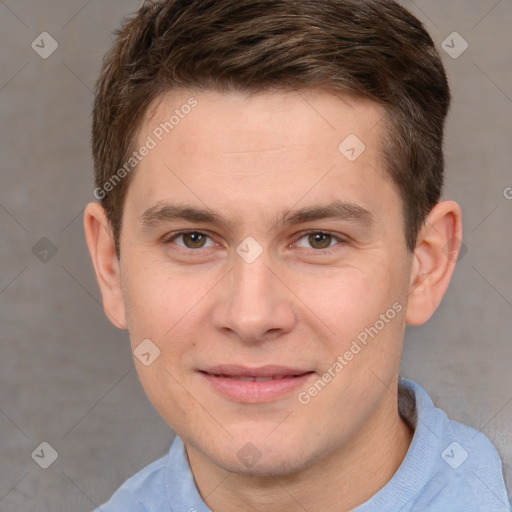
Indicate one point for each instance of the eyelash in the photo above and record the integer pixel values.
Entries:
(328, 250)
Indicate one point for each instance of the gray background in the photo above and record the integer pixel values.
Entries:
(67, 376)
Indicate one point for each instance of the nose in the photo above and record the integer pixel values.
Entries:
(254, 303)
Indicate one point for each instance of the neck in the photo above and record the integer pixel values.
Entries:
(344, 480)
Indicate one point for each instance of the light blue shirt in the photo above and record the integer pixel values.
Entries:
(449, 467)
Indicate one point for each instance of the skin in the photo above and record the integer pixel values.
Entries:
(297, 304)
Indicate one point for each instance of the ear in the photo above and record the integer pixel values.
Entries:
(101, 245)
(435, 256)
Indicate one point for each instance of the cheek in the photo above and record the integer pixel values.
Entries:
(168, 308)
(365, 312)
(154, 300)
(349, 300)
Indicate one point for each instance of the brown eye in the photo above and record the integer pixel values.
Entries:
(194, 240)
(190, 240)
(320, 240)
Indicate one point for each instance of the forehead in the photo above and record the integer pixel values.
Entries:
(268, 119)
(273, 149)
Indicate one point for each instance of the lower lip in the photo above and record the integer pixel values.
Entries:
(256, 391)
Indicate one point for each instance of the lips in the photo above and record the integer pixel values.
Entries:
(253, 385)
(268, 372)
(253, 379)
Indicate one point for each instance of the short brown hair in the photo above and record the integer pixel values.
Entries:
(374, 49)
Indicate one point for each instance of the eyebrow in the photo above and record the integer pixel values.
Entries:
(338, 210)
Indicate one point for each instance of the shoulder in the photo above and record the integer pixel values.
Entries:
(166, 485)
(467, 469)
(474, 468)
(143, 489)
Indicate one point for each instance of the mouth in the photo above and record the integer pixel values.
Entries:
(254, 379)
(255, 385)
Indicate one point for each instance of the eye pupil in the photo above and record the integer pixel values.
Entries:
(323, 239)
(197, 240)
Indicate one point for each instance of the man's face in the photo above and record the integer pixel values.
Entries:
(256, 292)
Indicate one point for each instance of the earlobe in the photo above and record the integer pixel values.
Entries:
(101, 246)
(435, 256)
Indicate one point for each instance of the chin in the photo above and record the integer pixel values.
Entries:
(265, 467)
(265, 458)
